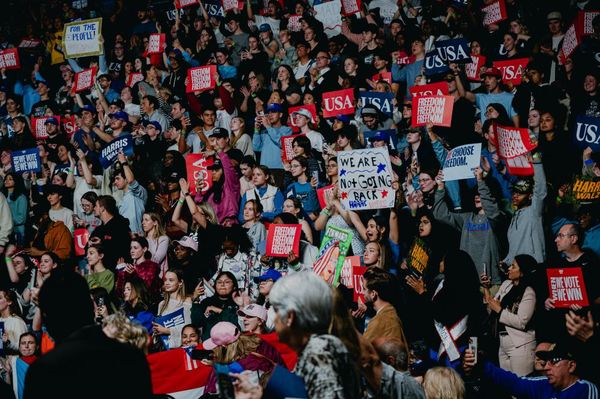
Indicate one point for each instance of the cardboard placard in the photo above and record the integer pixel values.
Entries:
(85, 79)
(567, 287)
(287, 151)
(339, 102)
(494, 13)
(292, 121)
(133, 78)
(38, 125)
(519, 166)
(435, 109)
(110, 152)
(333, 250)
(461, 161)
(330, 16)
(570, 42)
(432, 89)
(322, 194)
(586, 190)
(418, 257)
(382, 101)
(157, 42)
(201, 78)
(26, 160)
(365, 179)
(350, 7)
(198, 175)
(358, 273)
(80, 239)
(473, 69)
(512, 142)
(9, 59)
(283, 239)
(185, 3)
(82, 38)
(434, 64)
(454, 50)
(587, 132)
(512, 70)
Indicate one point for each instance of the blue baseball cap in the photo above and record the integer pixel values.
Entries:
(153, 123)
(270, 274)
(121, 115)
(88, 108)
(52, 121)
(380, 135)
(274, 108)
(264, 28)
(343, 118)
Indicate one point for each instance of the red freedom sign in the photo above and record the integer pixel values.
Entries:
(84, 79)
(294, 23)
(584, 21)
(287, 151)
(570, 43)
(473, 69)
(432, 89)
(198, 175)
(39, 126)
(322, 194)
(346, 275)
(134, 78)
(229, 5)
(283, 239)
(350, 7)
(566, 287)
(435, 109)
(519, 166)
(201, 78)
(339, 102)
(9, 59)
(80, 239)
(156, 43)
(310, 107)
(512, 70)
(512, 142)
(185, 3)
(494, 13)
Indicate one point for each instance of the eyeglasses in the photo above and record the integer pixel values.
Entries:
(561, 235)
(322, 57)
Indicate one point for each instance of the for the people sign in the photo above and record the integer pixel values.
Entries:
(82, 38)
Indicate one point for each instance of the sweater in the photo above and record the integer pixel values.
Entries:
(14, 326)
(59, 240)
(268, 143)
(104, 279)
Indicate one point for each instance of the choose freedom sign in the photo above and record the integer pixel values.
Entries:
(82, 38)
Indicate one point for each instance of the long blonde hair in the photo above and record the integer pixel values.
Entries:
(158, 230)
(242, 130)
(443, 383)
(180, 291)
(209, 211)
(245, 345)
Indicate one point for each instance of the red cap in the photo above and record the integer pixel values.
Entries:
(492, 72)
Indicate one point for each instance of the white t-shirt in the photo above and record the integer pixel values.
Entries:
(64, 215)
(316, 140)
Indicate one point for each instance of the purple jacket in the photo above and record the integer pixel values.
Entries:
(230, 198)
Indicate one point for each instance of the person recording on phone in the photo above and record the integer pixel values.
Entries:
(268, 131)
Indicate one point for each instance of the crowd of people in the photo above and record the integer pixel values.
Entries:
(104, 265)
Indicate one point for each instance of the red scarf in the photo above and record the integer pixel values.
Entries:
(28, 359)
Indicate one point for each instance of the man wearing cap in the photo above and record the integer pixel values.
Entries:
(85, 137)
(39, 108)
(561, 378)
(304, 119)
(55, 136)
(266, 42)
(372, 120)
(268, 18)
(267, 139)
(219, 140)
(117, 123)
(153, 148)
(556, 30)
(491, 81)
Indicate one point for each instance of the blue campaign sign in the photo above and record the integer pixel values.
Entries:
(214, 8)
(109, 153)
(26, 160)
(382, 101)
(434, 64)
(587, 132)
(170, 320)
(455, 50)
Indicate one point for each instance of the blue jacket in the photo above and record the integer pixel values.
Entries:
(592, 239)
(537, 387)
(268, 143)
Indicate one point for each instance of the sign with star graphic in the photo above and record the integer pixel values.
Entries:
(365, 178)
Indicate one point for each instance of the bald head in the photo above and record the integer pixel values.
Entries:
(392, 351)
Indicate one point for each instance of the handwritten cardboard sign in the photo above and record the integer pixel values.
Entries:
(84, 79)
(82, 38)
(512, 70)
(9, 59)
(494, 13)
(330, 16)
(339, 102)
(26, 160)
(333, 250)
(283, 239)
(434, 109)
(365, 179)
(350, 7)
(512, 141)
(566, 287)
(586, 190)
(198, 174)
(201, 78)
(432, 89)
(461, 161)
(110, 152)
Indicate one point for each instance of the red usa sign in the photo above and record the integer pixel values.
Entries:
(156, 43)
(134, 78)
(494, 13)
(350, 7)
(385, 76)
(198, 175)
(201, 78)
(512, 70)
(473, 69)
(339, 102)
(9, 59)
(432, 89)
(68, 125)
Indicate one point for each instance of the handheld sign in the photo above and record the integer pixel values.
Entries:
(39, 126)
(333, 250)
(350, 7)
(339, 102)
(283, 239)
(365, 179)
(432, 89)
(170, 320)
(567, 287)
(382, 101)
(434, 109)
(512, 70)
(586, 190)
(26, 160)
(134, 78)
(322, 194)
(287, 151)
(519, 166)
(346, 278)
(198, 174)
(84, 79)
(418, 257)
(82, 38)
(229, 5)
(358, 274)
(512, 142)
(156, 43)
(29, 44)
(110, 152)
(201, 78)
(473, 69)
(185, 3)
(455, 50)
(434, 64)
(294, 23)
(570, 43)
(214, 8)
(330, 16)
(584, 21)
(383, 76)
(461, 161)
(494, 13)
(9, 59)
(587, 132)
(292, 121)
(68, 125)
(80, 239)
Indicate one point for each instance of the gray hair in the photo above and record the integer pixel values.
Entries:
(308, 296)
